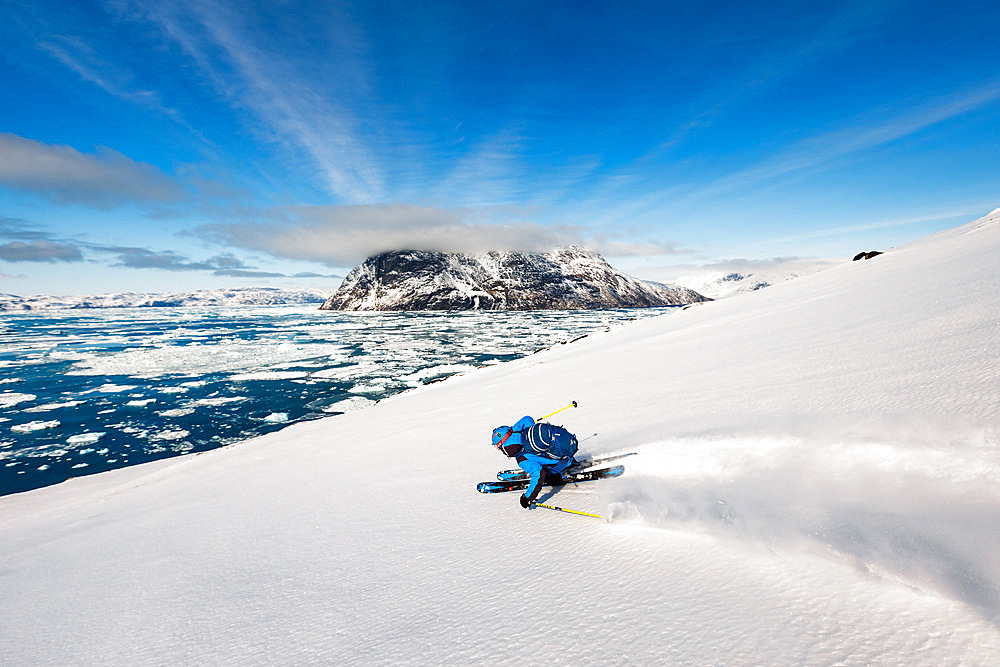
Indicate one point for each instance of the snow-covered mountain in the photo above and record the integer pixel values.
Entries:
(721, 284)
(238, 296)
(816, 483)
(567, 278)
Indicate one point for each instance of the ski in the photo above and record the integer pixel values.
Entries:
(518, 484)
(579, 466)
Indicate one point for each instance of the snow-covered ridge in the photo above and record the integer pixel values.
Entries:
(237, 296)
(721, 282)
(720, 285)
(568, 278)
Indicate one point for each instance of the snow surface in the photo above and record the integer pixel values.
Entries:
(816, 483)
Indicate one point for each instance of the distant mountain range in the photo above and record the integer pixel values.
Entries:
(568, 278)
(718, 285)
(240, 296)
(724, 284)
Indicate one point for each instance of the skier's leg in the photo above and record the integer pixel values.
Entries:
(553, 478)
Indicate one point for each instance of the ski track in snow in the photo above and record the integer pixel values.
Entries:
(914, 512)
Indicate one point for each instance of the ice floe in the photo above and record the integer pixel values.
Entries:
(219, 400)
(176, 434)
(85, 438)
(54, 406)
(35, 426)
(10, 399)
(141, 402)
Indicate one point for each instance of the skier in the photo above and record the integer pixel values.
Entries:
(541, 450)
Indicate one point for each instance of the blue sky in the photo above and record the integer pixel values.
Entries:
(179, 145)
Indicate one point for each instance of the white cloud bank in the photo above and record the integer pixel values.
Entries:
(344, 235)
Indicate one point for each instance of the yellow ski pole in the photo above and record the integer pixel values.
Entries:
(571, 405)
(563, 509)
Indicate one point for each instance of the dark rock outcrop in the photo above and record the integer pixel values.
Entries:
(569, 278)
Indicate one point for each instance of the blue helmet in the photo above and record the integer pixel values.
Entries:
(505, 444)
(499, 433)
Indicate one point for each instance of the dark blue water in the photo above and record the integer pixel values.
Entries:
(83, 391)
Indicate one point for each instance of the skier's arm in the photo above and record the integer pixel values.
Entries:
(537, 472)
(535, 485)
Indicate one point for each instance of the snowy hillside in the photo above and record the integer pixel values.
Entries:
(564, 279)
(817, 482)
(238, 296)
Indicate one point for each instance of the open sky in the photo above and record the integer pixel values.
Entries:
(208, 143)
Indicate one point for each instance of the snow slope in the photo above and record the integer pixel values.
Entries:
(817, 483)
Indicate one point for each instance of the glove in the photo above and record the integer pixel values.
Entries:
(525, 503)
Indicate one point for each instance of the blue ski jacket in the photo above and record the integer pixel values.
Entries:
(533, 464)
(536, 466)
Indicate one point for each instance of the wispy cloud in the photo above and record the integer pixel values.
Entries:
(166, 260)
(963, 214)
(295, 109)
(843, 26)
(113, 78)
(671, 179)
(224, 265)
(490, 172)
(247, 273)
(872, 130)
(105, 179)
(40, 251)
(32, 244)
(17, 228)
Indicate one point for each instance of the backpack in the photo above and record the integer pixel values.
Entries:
(553, 442)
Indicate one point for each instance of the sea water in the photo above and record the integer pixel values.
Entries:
(83, 391)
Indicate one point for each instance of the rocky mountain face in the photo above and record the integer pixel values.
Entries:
(568, 278)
